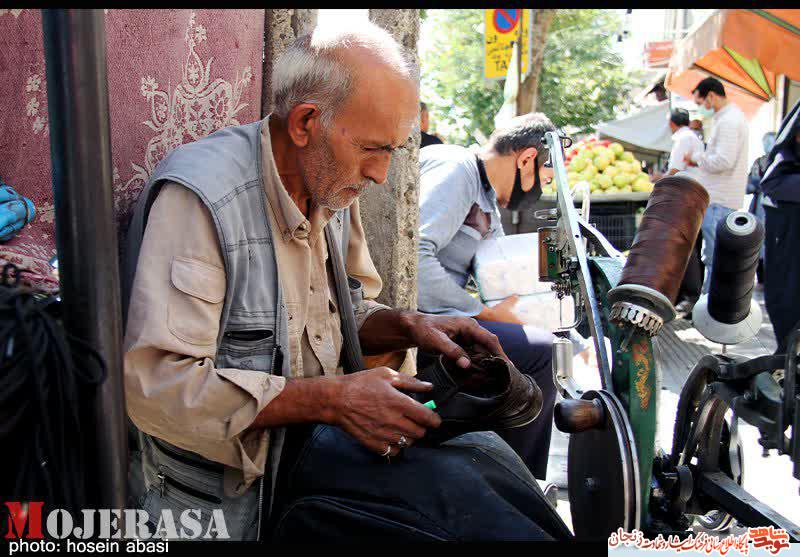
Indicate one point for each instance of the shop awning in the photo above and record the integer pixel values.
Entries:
(646, 129)
(745, 49)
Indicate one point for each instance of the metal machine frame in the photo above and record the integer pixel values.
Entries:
(702, 476)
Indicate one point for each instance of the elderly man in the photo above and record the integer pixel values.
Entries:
(252, 293)
(460, 192)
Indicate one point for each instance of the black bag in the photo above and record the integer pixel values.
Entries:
(473, 487)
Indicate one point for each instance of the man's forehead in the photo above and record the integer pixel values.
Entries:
(381, 109)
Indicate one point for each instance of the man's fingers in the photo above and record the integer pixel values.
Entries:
(409, 383)
(443, 344)
(487, 339)
(393, 438)
(405, 427)
(372, 440)
(421, 414)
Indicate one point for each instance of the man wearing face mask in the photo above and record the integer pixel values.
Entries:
(723, 165)
(460, 195)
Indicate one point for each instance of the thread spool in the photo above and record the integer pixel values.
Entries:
(736, 252)
(657, 260)
(728, 314)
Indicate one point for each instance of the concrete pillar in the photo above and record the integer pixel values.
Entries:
(281, 27)
(390, 212)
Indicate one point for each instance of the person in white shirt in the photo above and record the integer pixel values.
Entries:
(685, 142)
(723, 165)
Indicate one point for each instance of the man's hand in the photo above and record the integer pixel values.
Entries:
(389, 330)
(440, 334)
(502, 312)
(367, 405)
(687, 158)
(370, 407)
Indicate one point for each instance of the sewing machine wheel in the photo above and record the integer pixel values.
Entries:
(731, 462)
(603, 474)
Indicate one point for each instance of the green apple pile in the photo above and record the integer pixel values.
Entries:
(606, 166)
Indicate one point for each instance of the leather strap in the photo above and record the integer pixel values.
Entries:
(352, 357)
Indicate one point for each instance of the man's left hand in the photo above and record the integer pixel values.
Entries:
(441, 334)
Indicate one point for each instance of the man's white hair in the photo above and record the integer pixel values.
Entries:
(311, 69)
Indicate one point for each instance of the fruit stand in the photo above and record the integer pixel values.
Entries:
(606, 168)
(618, 185)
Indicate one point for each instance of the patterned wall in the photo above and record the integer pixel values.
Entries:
(174, 76)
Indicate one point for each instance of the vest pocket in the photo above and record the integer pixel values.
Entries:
(248, 336)
(169, 493)
(166, 481)
(240, 341)
(195, 301)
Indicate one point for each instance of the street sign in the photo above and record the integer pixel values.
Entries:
(501, 29)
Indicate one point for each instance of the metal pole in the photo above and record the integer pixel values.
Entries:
(519, 61)
(86, 236)
(515, 220)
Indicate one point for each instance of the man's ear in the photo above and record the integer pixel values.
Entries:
(301, 122)
(526, 156)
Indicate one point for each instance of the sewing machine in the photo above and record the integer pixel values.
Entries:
(612, 462)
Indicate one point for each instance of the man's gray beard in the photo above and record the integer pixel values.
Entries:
(322, 179)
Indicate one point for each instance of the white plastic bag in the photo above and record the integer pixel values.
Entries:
(509, 265)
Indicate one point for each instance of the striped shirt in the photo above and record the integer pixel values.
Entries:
(723, 166)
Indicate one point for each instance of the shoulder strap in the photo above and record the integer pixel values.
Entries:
(345, 233)
(352, 358)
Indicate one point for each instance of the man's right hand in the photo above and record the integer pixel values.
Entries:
(370, 407)
(502, 312)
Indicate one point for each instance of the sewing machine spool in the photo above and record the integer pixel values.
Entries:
(728, 314)
(657, 261)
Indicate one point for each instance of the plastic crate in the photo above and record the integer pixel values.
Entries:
(618, 229)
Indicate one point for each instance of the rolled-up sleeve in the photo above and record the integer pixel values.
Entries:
(447, 193)
(360, 266)
(173, 389)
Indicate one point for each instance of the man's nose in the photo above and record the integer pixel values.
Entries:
(377, 170)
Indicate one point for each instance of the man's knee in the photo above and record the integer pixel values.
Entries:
(536, 356)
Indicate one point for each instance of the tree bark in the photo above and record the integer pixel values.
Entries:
(529, 89)
(281, 27)
(390, 212)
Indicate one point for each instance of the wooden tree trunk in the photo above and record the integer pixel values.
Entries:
(390, 212)
(529, 89)
(281, 27)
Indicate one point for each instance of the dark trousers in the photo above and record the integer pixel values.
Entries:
(530, 350)
(782, 269)
(692, 282)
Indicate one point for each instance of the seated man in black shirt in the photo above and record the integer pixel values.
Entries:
(424, 120)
